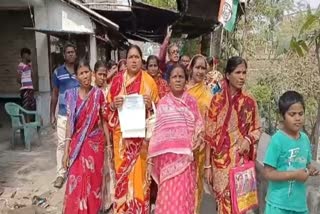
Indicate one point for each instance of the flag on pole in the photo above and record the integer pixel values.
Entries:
(228, 13)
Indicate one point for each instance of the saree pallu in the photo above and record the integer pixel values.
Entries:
(84, 185)
(132, 186)
(230, 120)
(163, 87)
(178, 121)
(203, 96)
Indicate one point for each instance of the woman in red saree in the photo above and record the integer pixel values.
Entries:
(154, 71)
(130, 154)
(85, 141)
(232, 127)
(177, 133)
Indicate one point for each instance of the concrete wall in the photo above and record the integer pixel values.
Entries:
(65, 17)
(43, 97)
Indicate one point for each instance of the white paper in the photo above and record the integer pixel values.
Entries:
(132, 117)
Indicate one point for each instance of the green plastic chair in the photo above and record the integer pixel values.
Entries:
(17, 115)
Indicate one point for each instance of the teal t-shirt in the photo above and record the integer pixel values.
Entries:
(285, 153)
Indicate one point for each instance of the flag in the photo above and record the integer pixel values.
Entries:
(228, 13)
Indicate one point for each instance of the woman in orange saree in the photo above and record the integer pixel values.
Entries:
(232, 127)
(130, 154)
(197, 88)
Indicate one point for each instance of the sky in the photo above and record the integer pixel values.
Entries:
(313, 3)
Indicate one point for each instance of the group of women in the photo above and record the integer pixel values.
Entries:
(195, 138)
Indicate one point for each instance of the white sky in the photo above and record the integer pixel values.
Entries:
(313, 3)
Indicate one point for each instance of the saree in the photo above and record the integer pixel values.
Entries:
(130, 154)
(163, 87)
(212, 78)
(83, 189)
(203, 97)
(230, 119)
(178, 123)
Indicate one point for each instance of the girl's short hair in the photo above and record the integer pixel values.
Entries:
(98, 65)
(288, 99)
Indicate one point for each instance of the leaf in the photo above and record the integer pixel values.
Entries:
(311, 19)
(294, 46)
(303, 45)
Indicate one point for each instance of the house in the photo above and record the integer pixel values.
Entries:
(43, 26)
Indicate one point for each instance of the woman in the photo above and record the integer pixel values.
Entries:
(177, 130)
(122, 65)
(232, 127)
(213, 76)
(132, 189)
(153, 70)
(196, 87)
(85, 142)
(100, 76)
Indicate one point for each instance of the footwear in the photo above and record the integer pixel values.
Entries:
(58, 183)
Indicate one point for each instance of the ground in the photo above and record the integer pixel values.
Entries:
(28, 174)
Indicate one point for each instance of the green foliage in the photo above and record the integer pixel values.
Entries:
(262, 93)
(166, 4)
(309, 34)
(191, 47)
(266, 103)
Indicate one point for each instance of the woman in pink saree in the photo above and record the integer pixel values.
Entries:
(176, 134)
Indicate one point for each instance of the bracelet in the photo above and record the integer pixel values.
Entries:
(112, 107)
(67, 139)
(208, 167)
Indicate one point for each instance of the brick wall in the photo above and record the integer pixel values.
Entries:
(12, 38)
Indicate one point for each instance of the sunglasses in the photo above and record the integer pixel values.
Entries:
(174, 51)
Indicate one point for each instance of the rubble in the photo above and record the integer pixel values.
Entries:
(26, 175)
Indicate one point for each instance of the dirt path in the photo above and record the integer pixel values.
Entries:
(27, 174)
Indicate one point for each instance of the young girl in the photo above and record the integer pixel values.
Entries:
(287, 161)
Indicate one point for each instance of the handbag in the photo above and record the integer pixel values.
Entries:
(150, 123)
(243, 187)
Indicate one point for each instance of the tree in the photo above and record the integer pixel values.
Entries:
(308, 40)
(261, 36)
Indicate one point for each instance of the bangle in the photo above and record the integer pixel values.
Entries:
(248, 139)
(112, 107)
(208, 167)
(67, 139)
